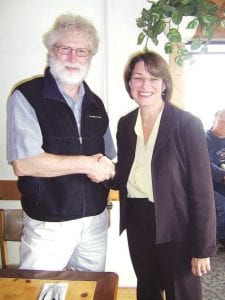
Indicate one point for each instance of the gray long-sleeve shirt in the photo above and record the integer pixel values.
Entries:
(24, 137)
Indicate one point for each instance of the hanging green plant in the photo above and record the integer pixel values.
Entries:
(165, 13)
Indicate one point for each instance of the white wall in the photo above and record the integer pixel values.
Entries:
(22, 24)
(121, 38)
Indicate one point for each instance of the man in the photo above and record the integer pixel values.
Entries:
(58, 143)
(216, 145)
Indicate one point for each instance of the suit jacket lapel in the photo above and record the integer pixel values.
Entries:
(167, 125)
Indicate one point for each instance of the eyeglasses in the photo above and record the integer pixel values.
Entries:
(140, 80)
(81, 52)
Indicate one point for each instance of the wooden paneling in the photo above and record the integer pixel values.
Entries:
(220, 3)
(113, 195)
(219, 32)
(9, 190)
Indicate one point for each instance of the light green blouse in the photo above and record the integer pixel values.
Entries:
(139, 183)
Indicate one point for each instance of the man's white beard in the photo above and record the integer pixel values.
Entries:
(58, 70)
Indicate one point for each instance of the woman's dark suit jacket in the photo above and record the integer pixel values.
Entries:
(181, 179)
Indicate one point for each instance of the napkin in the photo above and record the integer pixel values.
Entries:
(53, 291)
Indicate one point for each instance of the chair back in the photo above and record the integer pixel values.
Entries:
(11, 226)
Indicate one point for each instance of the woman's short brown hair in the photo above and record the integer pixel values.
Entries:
(156, 65)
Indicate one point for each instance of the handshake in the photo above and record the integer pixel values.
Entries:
(101, 168)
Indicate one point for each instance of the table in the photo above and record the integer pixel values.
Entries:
(90, 285)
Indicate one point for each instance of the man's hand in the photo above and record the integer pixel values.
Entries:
(200, 266)
(102, 168)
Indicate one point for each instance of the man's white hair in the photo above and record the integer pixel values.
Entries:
(69, 23)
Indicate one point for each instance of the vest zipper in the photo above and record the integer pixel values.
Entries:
(82, 186)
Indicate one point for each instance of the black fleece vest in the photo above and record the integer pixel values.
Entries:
(71, 196)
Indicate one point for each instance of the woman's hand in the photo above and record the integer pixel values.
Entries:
(101, 168)
(200, 266)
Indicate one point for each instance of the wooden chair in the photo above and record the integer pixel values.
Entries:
(11, 224)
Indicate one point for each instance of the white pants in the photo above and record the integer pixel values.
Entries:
(73, 245)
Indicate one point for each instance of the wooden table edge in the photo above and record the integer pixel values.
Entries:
(105, 281)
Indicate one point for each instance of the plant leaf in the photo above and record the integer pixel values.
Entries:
(140, 39)
(168, 48)
(207, 32)
(174, 35)
(179, 61)
(193, 24)
(184, 2)
(159, 27)
(184, 53)
(167, 10)
(140, 23)
(177, 17)
(196, 43)
(154, 40)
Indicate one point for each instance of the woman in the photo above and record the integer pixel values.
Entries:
(166, 192)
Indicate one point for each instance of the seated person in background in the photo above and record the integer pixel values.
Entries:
(216, 144)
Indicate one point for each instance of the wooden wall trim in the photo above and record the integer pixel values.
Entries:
(9, 190)
(113, 195)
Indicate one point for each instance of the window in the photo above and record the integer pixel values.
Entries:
(205, 84)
